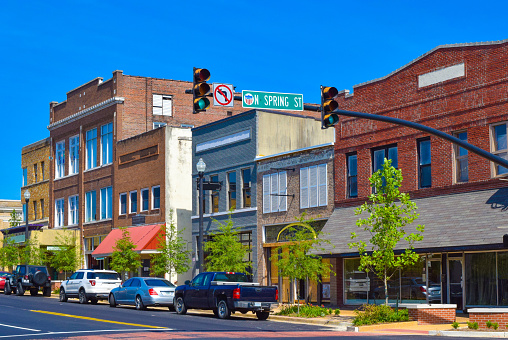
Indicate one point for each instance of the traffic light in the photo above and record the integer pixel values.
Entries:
(200, 89)
(327, 106)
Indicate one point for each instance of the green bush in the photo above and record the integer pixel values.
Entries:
(306, 311)
(56, 291)
(455, 325)
(495, 325)
(488, 324)
(472, 325)
(337, 312)
(372, 314)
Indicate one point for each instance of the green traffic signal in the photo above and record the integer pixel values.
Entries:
(201, 104)
(200, 90)
(328, 105)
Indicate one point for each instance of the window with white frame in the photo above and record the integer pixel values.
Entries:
(60, 160)
(156, 197)
(73, 155)
(133, 202)
(274, 192)
(144, 199)
(107, 144)
(90, 206)
(157, 125)
(500, 146)
(59, 213)
(73, 210)
(91, 149)
(313, 186)
(162, 104)
(352, 174)
(106, 202)
(461, 163)
(123, 203)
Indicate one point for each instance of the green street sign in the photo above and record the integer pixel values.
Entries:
(272, 100)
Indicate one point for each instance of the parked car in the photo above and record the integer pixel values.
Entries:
(226, 292)
(28, 277)
(357, 282)
(143, 292)
(3, 278)
(411, 288)
(89, 285)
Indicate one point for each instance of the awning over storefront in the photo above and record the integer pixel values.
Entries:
(144, 237)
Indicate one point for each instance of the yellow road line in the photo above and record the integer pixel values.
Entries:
(94, 319)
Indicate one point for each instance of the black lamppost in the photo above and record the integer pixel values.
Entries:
(200, 166)
(27, 198)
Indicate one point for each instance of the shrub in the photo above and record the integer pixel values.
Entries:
(472, 325)
(495, 325)
(56, 291)
(306, 311)
(372, 314)
(488, 324)
(337, 312)
(455, 325)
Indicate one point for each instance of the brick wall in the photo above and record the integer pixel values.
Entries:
(432, 316)
(482, 318)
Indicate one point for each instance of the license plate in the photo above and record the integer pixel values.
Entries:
(167, 293)
(257, 304)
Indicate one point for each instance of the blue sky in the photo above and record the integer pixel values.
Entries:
(51, 47)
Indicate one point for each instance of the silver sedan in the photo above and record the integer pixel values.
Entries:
(142, 292)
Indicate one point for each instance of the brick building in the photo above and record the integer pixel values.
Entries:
(462, 198)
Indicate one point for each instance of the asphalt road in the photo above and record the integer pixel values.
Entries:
(37, 317)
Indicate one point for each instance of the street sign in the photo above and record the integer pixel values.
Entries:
(272, 100)
(223, 95)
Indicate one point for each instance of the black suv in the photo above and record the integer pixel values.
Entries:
(29, 277)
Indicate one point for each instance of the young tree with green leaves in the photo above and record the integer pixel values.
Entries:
(226, 252)
(68, 257)
(296, 258)
(124, 258)
(15, 219)
(31, 252)
(390, 214)
(173, 256)
(9, 253)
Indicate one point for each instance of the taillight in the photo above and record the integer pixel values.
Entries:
(26, 277)
(423, 289)
(230, 272)
(276, 295)
(152, 291)
(92, 282)
(49, 278)
(236, 293)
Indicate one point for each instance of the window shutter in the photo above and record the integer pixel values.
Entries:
(274, 190)
(304, 187)
(266, 194)
(166, 105)
(157, 104)
(283, 191)
(313, 192)
(323, 197)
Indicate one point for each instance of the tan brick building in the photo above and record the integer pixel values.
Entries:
(6, 208)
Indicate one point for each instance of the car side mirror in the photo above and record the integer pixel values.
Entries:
(187, 282)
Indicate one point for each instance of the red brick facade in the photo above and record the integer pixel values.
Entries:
(432, 316)
(481, 318)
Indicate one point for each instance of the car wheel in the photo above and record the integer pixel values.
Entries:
(112, 302)
(139, 303)
(46, 291)
(223, 311)
(82, 297)
(34, 291)
(180, 306)
(19, 289)
(7, 289)
(262, 315)
(63, 297)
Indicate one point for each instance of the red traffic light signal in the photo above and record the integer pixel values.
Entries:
(200, 90)
(328, 105)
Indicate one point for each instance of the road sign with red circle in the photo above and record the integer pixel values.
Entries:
(223, 95)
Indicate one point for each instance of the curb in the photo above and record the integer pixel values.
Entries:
(463, 334)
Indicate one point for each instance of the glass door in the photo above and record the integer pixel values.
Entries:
(455, 282)
(434, 289)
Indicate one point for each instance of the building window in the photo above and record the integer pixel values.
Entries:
(59, 213)
(60, 160)
(313, 186)
(144, 200)
(379, 156)
(156, 197)
(123, 203)
(232, 190)
(25, 177)
(90, 206)
(424, 163)
(499, 147)
(162, 104)
(73, 155)
(42, 171)
(24, 211)
(215, 194)
(275, 185)
(246, 189)
(106, 202)
(157, 125)
(91, 149)
(35, 173)
(461, 164)
(35, 210)
(73, 210)
(42, 208)
(352, 173)
(107, 144)
(133, 198)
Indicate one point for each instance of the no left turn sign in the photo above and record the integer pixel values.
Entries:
(223, 95)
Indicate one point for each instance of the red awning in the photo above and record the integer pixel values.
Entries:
(144, 237)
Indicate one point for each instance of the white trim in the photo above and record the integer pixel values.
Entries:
(487, 310)
(71, 145)
(120, 203)
(69, 210)
(130, 203)
(222, 141)
(153, 200)
(237, 211)
(260, 158)
(141, 201)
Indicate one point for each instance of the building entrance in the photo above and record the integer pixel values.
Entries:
(456, 282)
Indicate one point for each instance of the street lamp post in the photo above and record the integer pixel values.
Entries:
(200, 166)
(27, 198)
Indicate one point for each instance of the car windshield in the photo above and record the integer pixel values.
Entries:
(33, 270)
(230, 277)
(104, 276)
(158, 283)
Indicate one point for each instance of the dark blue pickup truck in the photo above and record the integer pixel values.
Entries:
(226, 292)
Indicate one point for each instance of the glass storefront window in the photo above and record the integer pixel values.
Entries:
(502, 278)
(480, 282)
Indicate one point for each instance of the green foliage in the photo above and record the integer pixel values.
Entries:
(34, 255)
(56, 291)
(390, 211)
(472, 325)
(455, 325)
(372, 314)
(15, 219)
(488, 323)
(495, 325)
(337, 312)
(173, 255)
(226, 252)
(306, 311)
(68, 257)
(124, 258)
(9, 253)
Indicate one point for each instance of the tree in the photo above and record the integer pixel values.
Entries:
(173, 255)
(31, 252)
(296, 258)
(9, 253)
(68, 257)
(15, 219)
(226, 252)
(124, 258)
(390, 212)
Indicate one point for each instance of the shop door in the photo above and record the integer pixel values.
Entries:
(434, 289)
(455, 285)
